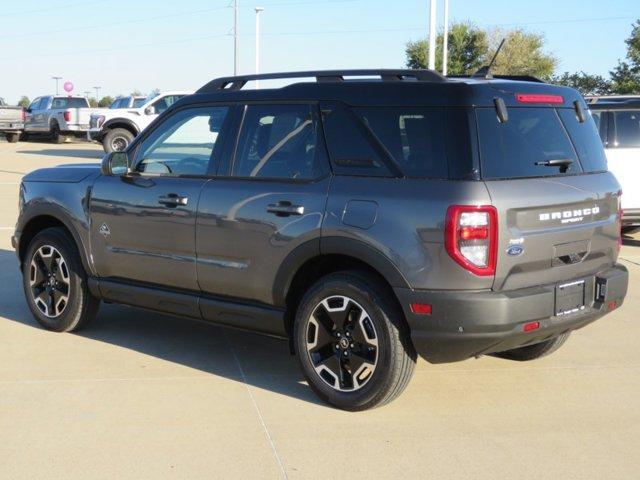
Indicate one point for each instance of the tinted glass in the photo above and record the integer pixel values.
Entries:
(138, 102)
(517, 147)
(183, 144)
(69, 103)
(35, 105)
(278, 141)
(586, 141)
(627, 124)
(413, 136)
(165, 102)
(351, 152)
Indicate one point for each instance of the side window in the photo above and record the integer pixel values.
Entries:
(35, 104)
(279, 141)
(184, 144)
(627, 124)
(165, 102)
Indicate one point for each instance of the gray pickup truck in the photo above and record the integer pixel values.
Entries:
(58, 117)
(11, 121)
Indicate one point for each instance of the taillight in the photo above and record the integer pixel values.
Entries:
(538, 98)
(67, 116)
(24, 116)
(471, 237)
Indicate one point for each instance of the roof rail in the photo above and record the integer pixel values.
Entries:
(516, 78)
(237, 83)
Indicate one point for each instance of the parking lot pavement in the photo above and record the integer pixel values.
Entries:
(141, 395)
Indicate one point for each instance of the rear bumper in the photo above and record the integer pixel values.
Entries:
(465, 324)
(631, 217)
(11, 126)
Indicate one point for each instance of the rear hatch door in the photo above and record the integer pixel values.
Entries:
(557, 205)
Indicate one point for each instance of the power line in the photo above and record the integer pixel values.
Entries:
(54, 7)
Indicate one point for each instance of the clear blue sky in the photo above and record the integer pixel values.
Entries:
(124, 45)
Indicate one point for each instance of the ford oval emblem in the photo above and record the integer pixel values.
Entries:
(515, 250)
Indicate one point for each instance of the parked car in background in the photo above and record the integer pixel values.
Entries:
(128, 102)
(58, 117)
(618, 121)
(117, 128)
(367, 221)
(11, 121)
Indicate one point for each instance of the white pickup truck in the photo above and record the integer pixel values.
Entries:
(116, 128)
(11, 121)
(58, 117)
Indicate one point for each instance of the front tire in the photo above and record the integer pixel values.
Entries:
(55, 283)
(352, 341)
(12, 137)
(117, 140)
(533, 352)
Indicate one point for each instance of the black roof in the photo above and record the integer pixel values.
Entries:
(381, 87)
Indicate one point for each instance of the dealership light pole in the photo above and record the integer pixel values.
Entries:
(445, 39)
(97, 89)
(432, 35)
(259, 10)
(235, 37)
(57, 79)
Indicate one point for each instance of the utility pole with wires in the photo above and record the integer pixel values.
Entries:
(235, 37)
(432, 35)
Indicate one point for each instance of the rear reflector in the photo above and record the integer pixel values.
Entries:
(531, 326)
(421, 308)
(538, 98)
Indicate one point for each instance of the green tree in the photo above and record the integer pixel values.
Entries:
(625, 77)
(93, 103)
(24, 101)
(137, 93)
(522, 54)
(583, 82)
(467, 50)
(105, 101)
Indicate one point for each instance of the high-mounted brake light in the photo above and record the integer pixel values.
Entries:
(538, 98)
(471, 237)
(67, 116)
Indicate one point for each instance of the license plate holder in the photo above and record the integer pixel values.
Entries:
(570, 298)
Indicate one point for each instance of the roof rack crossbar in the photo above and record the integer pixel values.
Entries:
(238, 82)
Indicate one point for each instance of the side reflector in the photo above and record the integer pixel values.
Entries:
(612, 305)
(421, 308)
(538, 98)
(531, 326)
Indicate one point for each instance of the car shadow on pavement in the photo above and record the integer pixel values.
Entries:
(259, 361)
(630, 241)
(69, 153)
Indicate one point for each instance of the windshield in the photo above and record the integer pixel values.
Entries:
(150, 97)
(138, 102)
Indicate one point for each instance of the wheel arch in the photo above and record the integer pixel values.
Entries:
(128, 125)
(318, 258)
(49, 217)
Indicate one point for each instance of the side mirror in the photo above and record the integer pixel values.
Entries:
(115, 164)
(151, 110)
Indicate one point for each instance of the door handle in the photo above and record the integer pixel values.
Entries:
(173, 200)
(284, 209)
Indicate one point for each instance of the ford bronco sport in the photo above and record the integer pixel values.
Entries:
(366, 216)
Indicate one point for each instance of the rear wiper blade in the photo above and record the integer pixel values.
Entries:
(560, 162)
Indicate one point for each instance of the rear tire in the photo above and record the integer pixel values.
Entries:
(352, 341)
(117, 140)
(56, 134)
(533, 352)
(55, 283)
(12, 137)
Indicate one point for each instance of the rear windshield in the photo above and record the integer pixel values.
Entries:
(66, 102)
(536, 142)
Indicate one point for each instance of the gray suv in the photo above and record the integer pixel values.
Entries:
(366, 216)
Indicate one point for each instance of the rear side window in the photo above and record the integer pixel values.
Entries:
(413, 136)
(586, 141)
(520, 147)
(280, 142)
(627, 125)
